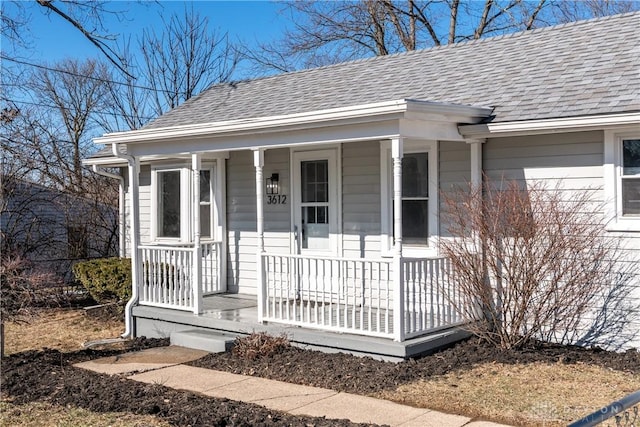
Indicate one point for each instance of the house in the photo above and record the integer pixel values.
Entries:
(310, 199)
(53, 228)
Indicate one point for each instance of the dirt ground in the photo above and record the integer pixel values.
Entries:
(47, 376)
(352, 374)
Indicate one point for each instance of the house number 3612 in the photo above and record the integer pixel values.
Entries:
(277, 199)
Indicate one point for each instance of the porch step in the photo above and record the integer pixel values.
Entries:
(213, 342)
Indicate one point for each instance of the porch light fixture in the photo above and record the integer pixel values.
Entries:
(273, 186)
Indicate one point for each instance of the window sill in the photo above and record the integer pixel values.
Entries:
(412, 252)
(624, 224)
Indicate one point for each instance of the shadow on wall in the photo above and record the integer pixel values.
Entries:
(611, 328)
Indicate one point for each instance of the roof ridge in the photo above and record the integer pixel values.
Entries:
(481, 40)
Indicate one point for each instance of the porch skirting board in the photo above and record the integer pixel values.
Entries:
(154, 322)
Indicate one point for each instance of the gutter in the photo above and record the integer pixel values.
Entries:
(133, 184)
(121, 207)
(365, 112)
(549, 126)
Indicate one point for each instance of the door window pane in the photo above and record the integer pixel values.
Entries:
(315, 204)
(315, 182)
(169, 204)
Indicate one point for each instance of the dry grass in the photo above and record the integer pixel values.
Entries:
(65, 330)
(534, 394)
(43, 414)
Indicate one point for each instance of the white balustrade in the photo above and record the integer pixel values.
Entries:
(167, 274)
(211, 268)
(357, 295)
(346, 295)
(336, 294)
(430, 299)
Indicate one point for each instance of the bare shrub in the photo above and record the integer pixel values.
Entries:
(531, 261)
(22, 290)
(259, 345)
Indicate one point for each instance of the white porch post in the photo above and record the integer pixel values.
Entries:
(476, 174)
(398, 304)
(196, 276)
(476, 161)
(258, 162)
(476, 189)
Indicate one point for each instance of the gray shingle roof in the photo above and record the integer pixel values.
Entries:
(581, 68)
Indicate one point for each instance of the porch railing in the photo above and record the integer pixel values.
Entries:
(168, 275)
(211, 268)
(357, 295)
(337, 294)
(430, 300)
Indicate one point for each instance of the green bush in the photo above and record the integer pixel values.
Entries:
(107, 279)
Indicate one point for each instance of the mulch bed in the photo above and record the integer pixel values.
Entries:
(346, 373)
(48, 376)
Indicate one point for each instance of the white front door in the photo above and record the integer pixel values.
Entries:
(315, 201)
(315, 216)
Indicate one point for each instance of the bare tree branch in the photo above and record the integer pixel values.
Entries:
(109, 53)
(330, 32)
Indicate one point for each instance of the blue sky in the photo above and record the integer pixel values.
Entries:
(52, 39)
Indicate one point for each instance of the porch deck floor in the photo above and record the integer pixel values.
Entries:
(237, 314)
(234, 307)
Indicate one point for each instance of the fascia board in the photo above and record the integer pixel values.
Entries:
(344, 115)
(278, 138)
(379, 111)
(547, 126)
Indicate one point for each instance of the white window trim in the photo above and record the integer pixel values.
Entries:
(186, 208)
(333, 154)
(612, 169)
(386, 195)
(184, 203)
(214, 201)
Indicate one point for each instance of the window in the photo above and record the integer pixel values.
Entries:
(415, 199)
(206, 196)
(173, 205)
(169, 221)
(630, 179)
(419, 198)
(622, 179)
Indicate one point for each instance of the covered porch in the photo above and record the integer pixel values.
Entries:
(395, 288)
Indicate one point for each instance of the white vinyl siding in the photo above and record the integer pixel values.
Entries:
(454, 169)
(241, 216)
(241, 222)
(361, 199)
(572, 162)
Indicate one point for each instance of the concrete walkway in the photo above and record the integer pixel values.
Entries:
(164, 365)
